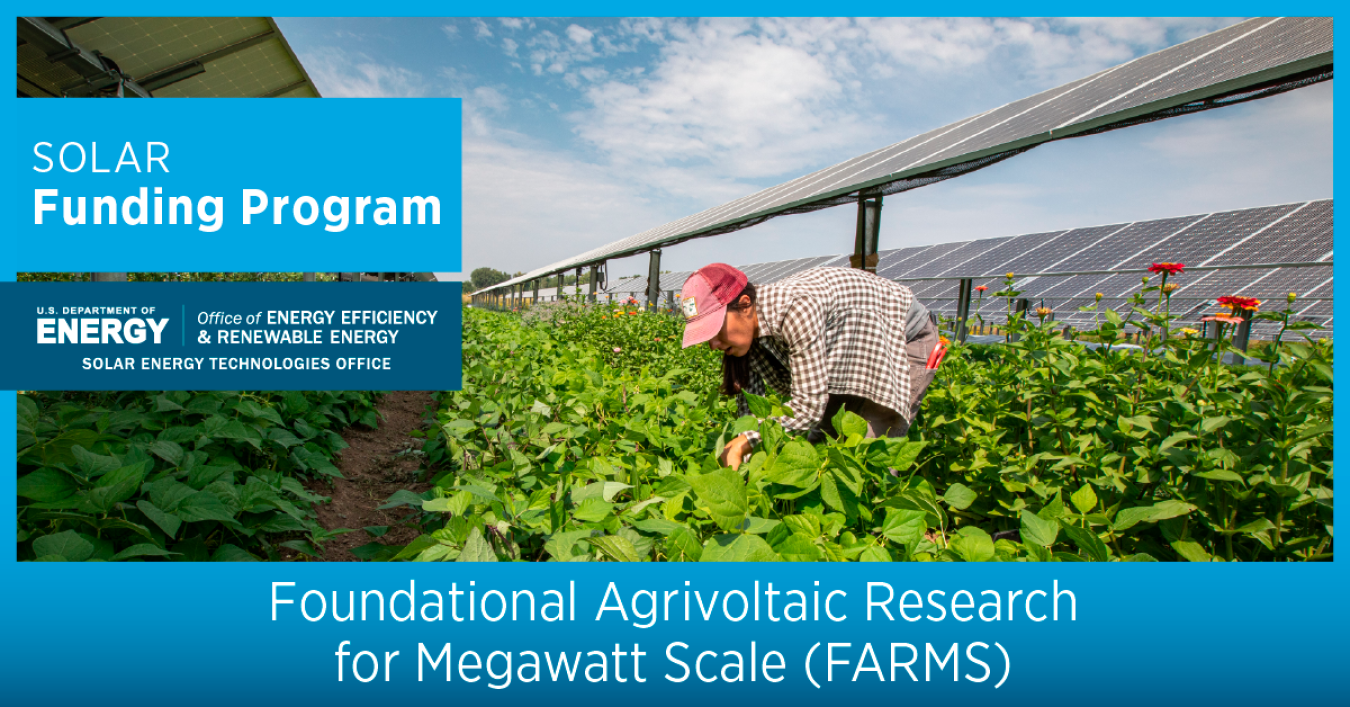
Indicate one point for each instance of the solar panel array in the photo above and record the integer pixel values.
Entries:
(1287, 233)
(243, 57)
(1236, 62)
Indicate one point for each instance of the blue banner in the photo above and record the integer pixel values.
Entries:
(231, 336)
(232, 184)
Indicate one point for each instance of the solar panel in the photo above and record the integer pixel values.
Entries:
(1209, 237)
(1045, 258)
(995, 260)
(1253, 58)
(239, 57)
(1275, 285)
(1303, 235)
(892, 260)
(925, 264)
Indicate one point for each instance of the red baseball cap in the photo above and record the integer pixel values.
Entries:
(704, 300)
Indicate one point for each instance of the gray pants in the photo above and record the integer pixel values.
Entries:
(883, 421)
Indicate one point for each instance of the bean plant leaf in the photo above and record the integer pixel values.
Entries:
(142, 550)
(738, 548)
(959, 496)
(1084, 499)
(46, 484)
(66, 544)
(723, 493)
(905, 526)
(615, 548)
(1037, 530)
(848, 424)
(974, 547)
(905, 453)
(798, 548)
(1087, 541)
(1191, 551)
(796, 465)
(683, 545)
(477, 548)
(167, 522)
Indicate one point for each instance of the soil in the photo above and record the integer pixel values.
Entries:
(376, 464)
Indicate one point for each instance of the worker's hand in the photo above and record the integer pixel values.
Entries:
(734, 453)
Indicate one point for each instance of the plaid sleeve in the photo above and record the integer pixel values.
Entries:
(803, 330)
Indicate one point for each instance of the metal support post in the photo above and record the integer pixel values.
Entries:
(307, 277)
(1243, 334)
(963, 308)
(654, 279)
(110, 277)
(595, 275)
(534, 297)
(868, 232)
(1023, 307)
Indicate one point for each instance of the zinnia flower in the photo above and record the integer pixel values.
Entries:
(1010, 276)
(1236, 302)
(1224, 318)
(1043, 311)
(632, 312)
(1189, 331)
(617, 349)
(1171, 287)
(1099, 296)
(1292, 296)
(980, 288)
(944, 341)
(1169, 268)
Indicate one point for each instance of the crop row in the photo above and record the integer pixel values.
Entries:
(177, 475)
(585, 433)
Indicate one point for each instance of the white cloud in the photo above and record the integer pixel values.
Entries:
(579, 34)
(339, 74)
(481, 30)
(509, 46)
(451, 31)
(511, 22)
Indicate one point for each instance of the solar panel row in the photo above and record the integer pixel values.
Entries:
(1286, 233)
(1259, 52)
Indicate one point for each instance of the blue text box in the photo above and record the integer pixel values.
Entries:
(231, 336)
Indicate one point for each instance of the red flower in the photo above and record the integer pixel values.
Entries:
(1236, 302)
(1224, 318)
(980, 288)
(1169, 268)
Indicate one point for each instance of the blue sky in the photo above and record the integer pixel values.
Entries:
(579, 132)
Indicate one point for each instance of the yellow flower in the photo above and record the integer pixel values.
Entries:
(1043, 311)
(1099, 296)
(1292, 297)
(1010, 276)
(1189, 331)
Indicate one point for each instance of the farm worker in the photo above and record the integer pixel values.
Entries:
(825, 338)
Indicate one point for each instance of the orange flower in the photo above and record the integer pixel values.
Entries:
(632, 312)
(1170, 287)
(1043, 311)
(1224, 318)
(1169, 268)
(944, 341)
(1099, 296)
(980, 288)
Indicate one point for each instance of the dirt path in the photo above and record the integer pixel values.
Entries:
(375, 465)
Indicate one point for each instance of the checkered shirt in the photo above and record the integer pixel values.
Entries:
(827, 331)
